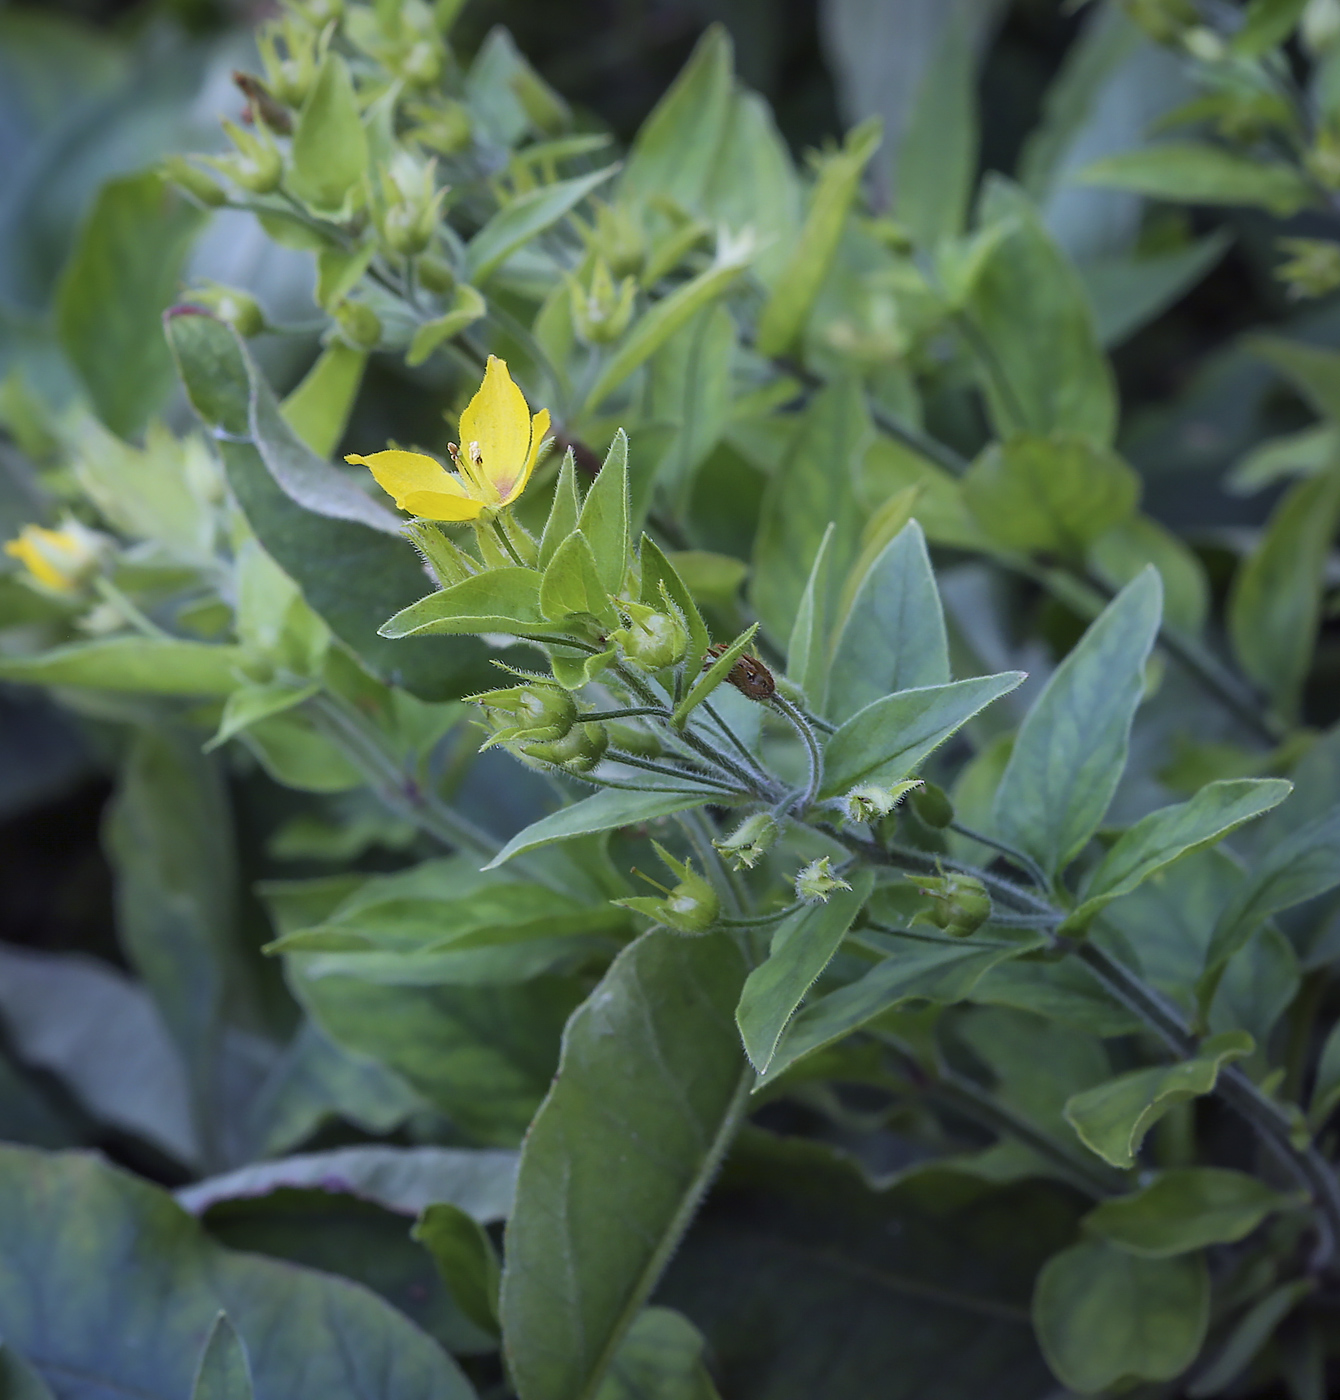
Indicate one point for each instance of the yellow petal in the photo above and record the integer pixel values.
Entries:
(402, 474)
(437, 505)
(496, 431)
(538, 428)
(29, 554)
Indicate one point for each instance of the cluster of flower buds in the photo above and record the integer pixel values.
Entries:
(750, 841)
(409, 204)
(817, 882)
(290, 52)
(602, 311)
(540, 724)
(692, 906)
(959, 904)
(653, 640)
(255, 163)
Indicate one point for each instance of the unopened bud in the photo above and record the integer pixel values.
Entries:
(436, 275)
(653, 640)
(750, 841)
(290, 52)
(238, 309)
(931, 803)
(1203, 43)
(359, 324)
(443, 127)
(602, 312)
(692, 906)
(816, 882)
(255, 162)
(193, 181)
(869, 802)
(618, 239)
(538, 712)
(579, 751)
(959, 904)
(421, 64)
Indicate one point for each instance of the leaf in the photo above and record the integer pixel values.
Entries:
(814, 485)
(674, 153)
(657, 569)
(1113, 1118)
(1071, 748)
(1275, 605)
(782, 320)
(330, 146)
(649, 1090)
(123, 271)
(563, 510)
(141, 665)
(99, 1032)
(887, 741)
(801, 948)
(498, 600)
(225, 1369)
(465, 1258)
(1162, 837)
(1248, 1337)
(660, 1358)
(522, 218)
(807, 653)
(1186, 1209)
(572, 586)
(1326, 1090)
(318, 409)
(354, 578)
(604, 517)
(69, 1224)
(927, 969)
(406, 1180)
(467, 308)
(937, 160)
(894, 636)
(1119, 555)
(1103, 1316)
(1129, 292)
(1057, 493)
(1045, 372)
(1313, 370)
(605, 811)
(1193, 172)
(713, 676)
(1266, 24)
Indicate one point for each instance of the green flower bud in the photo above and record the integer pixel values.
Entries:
(619, 239)
(194, 181)
(692, 906)
(959, 903)
(421, 64)
(538, 712)
(443, 127)
(1312, 269)
(602, 312)
(409, 205)
(815, 882)
(933, 806)
(255, 163)
(869, 802)
(436, 275)
(290, 53)
(239, 309)
(359, 324)
(1203, 43)
(653, 641)
(632, 738)
(750, 841)
(579, 751)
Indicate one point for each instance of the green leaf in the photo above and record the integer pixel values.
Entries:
(498, 600)
(657, 570)
(520, 220)
(252, 703)
(807, 653)
(674, 153)
(318, 409)
(1248, 1337)
(814, 485)
(649, 1090)
(604, 517)
(298, 756)
(894, 636)
(1162, 837)
(572, 584)
(1129, 292)
(927, 969)
(1186, 1209)
(1113, 1118)
(1326, 1090)
(142, 665)
(339, 270)
(660, 1358)
(802, 946)
(887, 741)
(661, 320)
(18, 1380)
(1118, 556)
(467, 308)
(330, 146)
(787, 309)
(1044, 370)
(465, 1258)
(70, 1224)
(713, 676)
(125, 268)
(1071, 749)
(1103, 1316)
(1314, 370)
(225, 1369)
(563, 511)
(937, 161)
(353, 577)
(1193, 172)
(1275, 605)
(1057, 493)
(1266, 24)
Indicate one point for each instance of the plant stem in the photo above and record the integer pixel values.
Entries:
(1022, 859)
(812, 750)
(107, 590)
(506, 542)
(633, 712)
(666, 770)
(732, 738)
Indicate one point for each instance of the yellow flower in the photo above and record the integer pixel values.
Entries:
(500, 444)
(57, 559)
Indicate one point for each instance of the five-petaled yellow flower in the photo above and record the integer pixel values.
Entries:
(500, 444)
(57, 559)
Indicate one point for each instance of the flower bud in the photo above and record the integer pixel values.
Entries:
(692, 906)
(443, 127)
(238, 309)
(540, 712)
(290, 53)
(959, 903)
(602, 312)
(933, 806)
(1203, 43)
(750, 841)
(359, 324)
(869, 802)
(816, 881)
(1312, 269)
(60, 560)
(255, 163)
(618, 238)
(652, 641)
(193, 181)
(632, 738)
(409, 206)
(578, 751)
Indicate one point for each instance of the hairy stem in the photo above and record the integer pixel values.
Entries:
(812, 752)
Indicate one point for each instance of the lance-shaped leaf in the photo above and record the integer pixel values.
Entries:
(1193, 172)
(318, 409)
(465, 1258)
(713, 676)
(143, 665)
(1071, 749)
(499, 600)
(659, 573)
(1113, 1118)
(807, 651)
(330, 146)
(563, 510)
(604, 517)
(572, 585)
(886, 741)
(1164, 836)
(523, 218)
(650, 1087)
(802, 946)
(225, 1369)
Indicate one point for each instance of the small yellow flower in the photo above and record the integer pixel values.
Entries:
(58, 559)
(500, 444)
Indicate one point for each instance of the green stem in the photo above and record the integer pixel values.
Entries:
(506, 542)
(1022, 859)
(633, 712)
(666, 770)
(107, 590)
(812, 751)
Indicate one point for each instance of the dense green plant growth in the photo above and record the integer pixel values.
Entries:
(736, 788)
